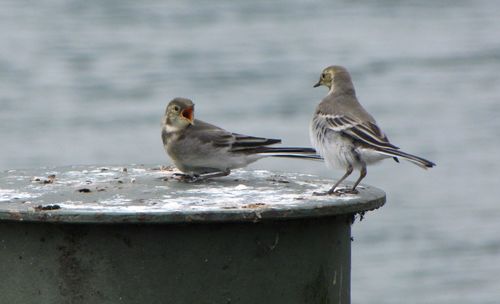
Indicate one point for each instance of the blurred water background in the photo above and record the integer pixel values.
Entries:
(86, 82)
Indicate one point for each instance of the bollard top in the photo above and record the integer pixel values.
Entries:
(142, 194)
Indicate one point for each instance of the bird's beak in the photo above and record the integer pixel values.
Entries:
(318, 84)
(188, 114)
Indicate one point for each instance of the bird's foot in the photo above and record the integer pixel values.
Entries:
(344, 191)
(337, 192)
(185, 178)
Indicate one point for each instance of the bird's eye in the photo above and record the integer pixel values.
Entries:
(323, 75)
(176, 109)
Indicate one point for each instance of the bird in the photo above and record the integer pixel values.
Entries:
(201, 150)
(346, 135)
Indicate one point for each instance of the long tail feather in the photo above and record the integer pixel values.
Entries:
(310, 157)
(289, 152)
(419, 161)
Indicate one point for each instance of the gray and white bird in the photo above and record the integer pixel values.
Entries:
(346, 135)
(202, 150)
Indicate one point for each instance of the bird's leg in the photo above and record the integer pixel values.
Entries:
(213, 174)
(362, 174)
(347, 173)
(332, 190)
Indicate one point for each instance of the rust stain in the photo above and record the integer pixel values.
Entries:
(254, 206)
(142, 217)
(75, 283)
(15, 216)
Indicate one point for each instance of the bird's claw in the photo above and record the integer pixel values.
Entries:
(185, 178)
(345, 191)
(337, 192)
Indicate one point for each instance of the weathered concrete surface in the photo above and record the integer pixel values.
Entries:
(140, 194)
(109, 235)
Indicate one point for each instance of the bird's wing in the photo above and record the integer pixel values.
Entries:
(366, 132)
(250, 143)
(220, 138)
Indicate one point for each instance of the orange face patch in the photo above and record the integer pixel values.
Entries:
(188, 113)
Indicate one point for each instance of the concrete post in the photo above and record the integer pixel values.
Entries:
(109, 235)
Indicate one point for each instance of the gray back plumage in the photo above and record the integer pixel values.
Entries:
(342, 100)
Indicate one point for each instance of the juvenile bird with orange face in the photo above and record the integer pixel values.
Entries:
(202, 150)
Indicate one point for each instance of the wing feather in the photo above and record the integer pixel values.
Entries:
(366, 132)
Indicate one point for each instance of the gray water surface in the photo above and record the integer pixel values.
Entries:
(86, 82)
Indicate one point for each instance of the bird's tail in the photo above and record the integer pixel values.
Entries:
(290, 152)
(419, 161)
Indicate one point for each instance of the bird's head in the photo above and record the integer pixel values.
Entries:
(179, 114)
(333, 75)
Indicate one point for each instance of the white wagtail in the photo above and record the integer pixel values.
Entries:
(201, 150)
(346, 135)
